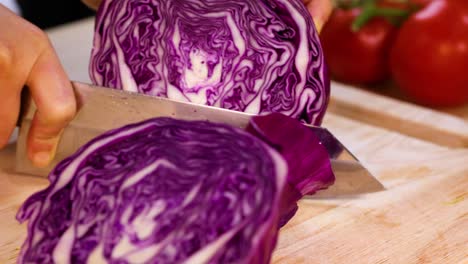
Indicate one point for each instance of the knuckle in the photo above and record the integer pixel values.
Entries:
(6, 56)
(62, 113)
(11, 51)
(36, 34)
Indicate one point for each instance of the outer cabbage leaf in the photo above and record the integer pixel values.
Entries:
(307, 159)
(259, 56)
(309, 167)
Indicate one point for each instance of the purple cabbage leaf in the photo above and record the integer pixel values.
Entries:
(173, 191)
(261, 56)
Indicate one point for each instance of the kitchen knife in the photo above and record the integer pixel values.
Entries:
(101, 109)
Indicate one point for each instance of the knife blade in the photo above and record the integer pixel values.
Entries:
(101, 109)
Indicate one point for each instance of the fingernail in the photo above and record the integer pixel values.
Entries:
(41, 159)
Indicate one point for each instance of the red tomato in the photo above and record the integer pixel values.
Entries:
(421, 2)
(429, 60)
(357, 57)
(404, 4)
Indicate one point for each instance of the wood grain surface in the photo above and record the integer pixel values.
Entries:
(421, 217)
(448, 127)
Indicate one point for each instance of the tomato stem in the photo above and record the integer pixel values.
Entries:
(347, 4)
(371, 10)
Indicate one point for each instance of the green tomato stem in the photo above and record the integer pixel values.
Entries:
(370, 10)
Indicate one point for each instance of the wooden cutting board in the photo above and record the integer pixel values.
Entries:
(387, 107)
(422, 217)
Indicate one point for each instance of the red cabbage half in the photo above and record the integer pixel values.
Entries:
(169, 191)
(256, 56)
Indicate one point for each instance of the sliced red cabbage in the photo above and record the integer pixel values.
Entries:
(259, 56)
(309, 167)
(168, 191)
(308, 160)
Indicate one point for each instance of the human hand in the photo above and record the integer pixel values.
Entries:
(320, 11)
(27, 58)
(93, 4)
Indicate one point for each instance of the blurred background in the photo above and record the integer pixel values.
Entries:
(49, 13)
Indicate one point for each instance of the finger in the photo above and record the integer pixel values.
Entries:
(93, 4)
(320, 11)
(10, 91)
(53, 95)
(27, 57)
(9, 108)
